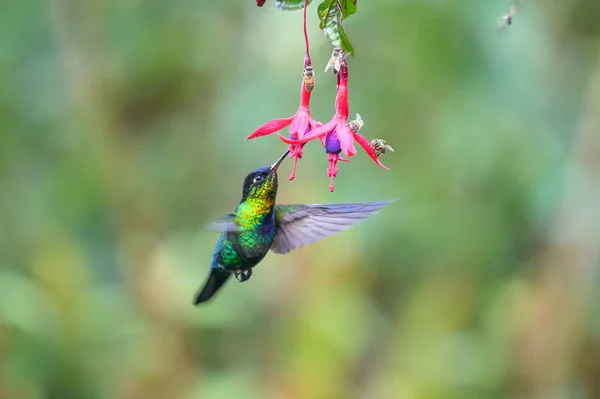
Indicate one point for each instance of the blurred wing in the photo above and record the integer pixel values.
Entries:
(501, 24)
(226, 223)
(299, 225)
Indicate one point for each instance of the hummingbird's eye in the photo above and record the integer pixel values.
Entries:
(258, 179)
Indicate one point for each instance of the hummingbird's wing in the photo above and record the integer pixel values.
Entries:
(226, 223)
(298, 225)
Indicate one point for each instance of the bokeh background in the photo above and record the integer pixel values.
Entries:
(122, 135)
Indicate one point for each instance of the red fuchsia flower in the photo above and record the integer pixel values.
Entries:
(336, 135)
(300, 124)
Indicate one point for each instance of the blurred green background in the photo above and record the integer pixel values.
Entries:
(122, 135)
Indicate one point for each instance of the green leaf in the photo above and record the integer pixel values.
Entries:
(331, 17)
(348, 8)
(291, 5)
(323, 6)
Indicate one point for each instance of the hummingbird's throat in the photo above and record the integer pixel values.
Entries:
(253, 211)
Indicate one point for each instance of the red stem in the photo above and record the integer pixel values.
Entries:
(307, 60)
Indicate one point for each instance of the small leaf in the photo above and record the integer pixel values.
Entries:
(348, 8)
(323, 7)
(291, 5)
(331, 24)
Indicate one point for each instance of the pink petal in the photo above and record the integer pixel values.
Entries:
(300, 124)
(364, 143)
(316, 133)
(346, 138)
(270, 127)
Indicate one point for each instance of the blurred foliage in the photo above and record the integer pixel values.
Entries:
(123, 126)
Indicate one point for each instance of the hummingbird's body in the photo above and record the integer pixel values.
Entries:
(246, 246)
(258, 225)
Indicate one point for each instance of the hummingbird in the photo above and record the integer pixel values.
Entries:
(258, 225)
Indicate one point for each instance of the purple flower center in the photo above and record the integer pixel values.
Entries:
(332, 144)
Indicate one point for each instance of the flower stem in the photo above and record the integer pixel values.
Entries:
(307, 60)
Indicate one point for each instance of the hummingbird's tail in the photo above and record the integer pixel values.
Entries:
(216, 279)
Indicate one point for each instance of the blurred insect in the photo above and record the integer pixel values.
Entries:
(334, 62)
(356, 124)
(507, 19)
(309, 78)
(380, 146)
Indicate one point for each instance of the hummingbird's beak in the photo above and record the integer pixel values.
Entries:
(279, 161)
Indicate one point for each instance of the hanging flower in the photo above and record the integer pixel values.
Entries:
(338, 135)
(300, 124)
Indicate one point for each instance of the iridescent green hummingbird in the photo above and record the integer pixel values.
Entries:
(259, 225)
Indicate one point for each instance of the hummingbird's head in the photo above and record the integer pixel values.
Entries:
(262, 183)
